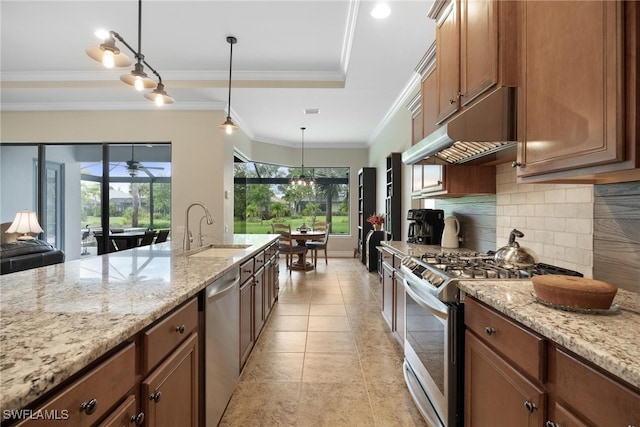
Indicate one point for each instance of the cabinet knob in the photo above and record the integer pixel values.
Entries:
(530, 406)
(89, 407)
(489, 330)
(515, 164)
(137, 419)
(550, 423)
(156, 396)
(452, 101)
(180, 329)
(460, 95)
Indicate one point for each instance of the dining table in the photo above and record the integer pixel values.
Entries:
(127, 239)
(302, 237)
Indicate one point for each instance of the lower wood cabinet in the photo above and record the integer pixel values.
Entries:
(496, 394)
(170, 392)
(393, 297)
(125, 415)
(514, 377)
(246, 321)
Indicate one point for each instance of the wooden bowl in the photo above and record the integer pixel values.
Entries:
(573, 291)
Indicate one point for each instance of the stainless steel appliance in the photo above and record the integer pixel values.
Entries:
(222, 341)
(434, 322)
(426, 226)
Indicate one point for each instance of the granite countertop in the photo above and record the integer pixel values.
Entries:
(56, 320)
(611, 341)
(416, 249)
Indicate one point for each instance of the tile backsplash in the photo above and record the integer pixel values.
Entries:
(556, 219)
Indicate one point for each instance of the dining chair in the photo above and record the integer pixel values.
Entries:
(315, 246)
(148, 237)
(100, 238)
(162, 236)
(288, 246)
(319, 226)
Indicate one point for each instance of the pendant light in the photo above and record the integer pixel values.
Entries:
(137, 77)
(110, 56)
(302, 179)
(228, 126)
(108, 53)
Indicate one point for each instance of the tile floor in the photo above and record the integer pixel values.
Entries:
(326, 356)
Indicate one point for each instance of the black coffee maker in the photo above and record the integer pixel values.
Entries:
(426, 226)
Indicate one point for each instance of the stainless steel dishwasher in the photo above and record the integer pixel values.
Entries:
(222, 344)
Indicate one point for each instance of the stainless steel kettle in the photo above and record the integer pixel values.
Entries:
(512, 255)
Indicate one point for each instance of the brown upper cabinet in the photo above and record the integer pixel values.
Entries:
(476, 42)
(578, 96)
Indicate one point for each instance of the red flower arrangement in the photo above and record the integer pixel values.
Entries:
(375, 219)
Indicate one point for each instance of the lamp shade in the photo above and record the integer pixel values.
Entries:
(108, 54)
(25, 222)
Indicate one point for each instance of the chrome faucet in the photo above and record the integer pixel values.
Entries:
(187, 234)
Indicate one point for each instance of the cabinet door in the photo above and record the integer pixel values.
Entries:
(388, 295)
(246, 321)
(570, 114)
(429, 90)
(448, 69)
(125, 415)
(258, 302)
(478, 47)
(400, 307)
(170, 393)
(495, 393)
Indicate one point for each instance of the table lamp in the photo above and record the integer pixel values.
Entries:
(25, 222)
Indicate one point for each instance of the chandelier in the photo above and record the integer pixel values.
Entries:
(302, 179)
(110, 56)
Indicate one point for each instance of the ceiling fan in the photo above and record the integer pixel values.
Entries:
(134, 167)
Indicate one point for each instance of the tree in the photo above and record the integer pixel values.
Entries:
(278, 209)
(259, 195)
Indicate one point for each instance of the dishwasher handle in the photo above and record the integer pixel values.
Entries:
(217, 293)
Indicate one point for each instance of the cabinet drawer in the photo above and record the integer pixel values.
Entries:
(387, 256)
(596, 397)
(259, 260)
(246, 271)
(167, 334)
(397, 261)
(96, 392)
(519, 345)
(124, 415)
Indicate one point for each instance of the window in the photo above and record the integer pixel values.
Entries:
(263, 196)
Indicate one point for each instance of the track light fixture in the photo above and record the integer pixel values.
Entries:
(302, 179)
(110, 56)
(228, 126)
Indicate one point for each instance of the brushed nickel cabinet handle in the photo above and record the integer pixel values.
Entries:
(137, 419)
(180, 329)
(89, 407)
(515, 164)
(530, 406)
(156, 396)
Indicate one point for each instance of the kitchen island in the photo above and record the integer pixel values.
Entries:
(57, 320)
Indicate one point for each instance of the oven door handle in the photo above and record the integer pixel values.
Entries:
(428, 302)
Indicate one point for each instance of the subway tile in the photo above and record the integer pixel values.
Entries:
(555, 196)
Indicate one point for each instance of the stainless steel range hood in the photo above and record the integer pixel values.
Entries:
(481, 133)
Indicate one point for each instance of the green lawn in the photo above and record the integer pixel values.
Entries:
(340, 224)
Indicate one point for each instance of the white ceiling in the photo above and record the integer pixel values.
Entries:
(290, 56)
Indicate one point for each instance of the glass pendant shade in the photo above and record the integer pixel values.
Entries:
(108, 54)
(159, 96)
(138, 78)
(228, 126)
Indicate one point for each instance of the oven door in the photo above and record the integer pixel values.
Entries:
(433, 355)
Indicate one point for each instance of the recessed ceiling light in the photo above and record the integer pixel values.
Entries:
(381, 11)
(312, 111)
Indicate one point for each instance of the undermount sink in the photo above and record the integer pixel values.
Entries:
(220, 252)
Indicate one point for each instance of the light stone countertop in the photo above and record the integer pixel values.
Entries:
(611, 341)
(56, 320)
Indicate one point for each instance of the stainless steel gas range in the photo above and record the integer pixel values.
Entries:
(434, 335)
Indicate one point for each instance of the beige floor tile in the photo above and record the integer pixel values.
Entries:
(382, 367)
(329, 323)
(270, 367)
(392, 406)
(376, 342)
(288, 323)
(330, 342)
(259, 405)
(327, 310)
(327, 299)
(282, 309)
(332, 368)
(334, 405)
(287, 342)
